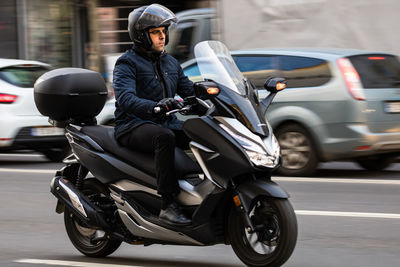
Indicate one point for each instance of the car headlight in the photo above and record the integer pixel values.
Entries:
(256, 152)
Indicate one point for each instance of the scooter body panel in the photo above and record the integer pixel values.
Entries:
(254, 188)
(219, 152)
(106, 167)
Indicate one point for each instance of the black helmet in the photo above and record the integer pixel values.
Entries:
(141, 19)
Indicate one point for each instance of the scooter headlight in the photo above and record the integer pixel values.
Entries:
(260, 159)
(275, 147)
(257, 152)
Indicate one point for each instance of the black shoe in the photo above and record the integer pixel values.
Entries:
(173, 214)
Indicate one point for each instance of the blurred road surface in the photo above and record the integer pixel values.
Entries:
(346, 216)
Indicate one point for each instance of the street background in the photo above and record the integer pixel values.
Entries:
(347, 216)
(85, 33)
(363, 231)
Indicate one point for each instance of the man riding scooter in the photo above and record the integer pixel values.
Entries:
(146, 77)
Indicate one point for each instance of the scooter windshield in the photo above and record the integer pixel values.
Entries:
(215, 63)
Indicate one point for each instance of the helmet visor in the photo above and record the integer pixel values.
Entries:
(155, 15)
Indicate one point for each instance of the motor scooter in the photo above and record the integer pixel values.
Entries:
(108, 193)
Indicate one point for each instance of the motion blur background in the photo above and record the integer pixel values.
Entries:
(79, 33)
(68, 33)
(92, 34)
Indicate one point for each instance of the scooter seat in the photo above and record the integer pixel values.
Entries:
(104, 137)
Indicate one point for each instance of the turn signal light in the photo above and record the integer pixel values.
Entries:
(7, 99)
(236, 200)
(280, 86)
(213, 91)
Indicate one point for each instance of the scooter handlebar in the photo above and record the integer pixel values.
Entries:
(185, 108)
(157, 110)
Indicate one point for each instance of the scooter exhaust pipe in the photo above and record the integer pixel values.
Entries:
(78, 203)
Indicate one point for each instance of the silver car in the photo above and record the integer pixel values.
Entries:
(339, 105)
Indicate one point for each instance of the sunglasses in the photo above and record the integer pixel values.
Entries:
(158, 32)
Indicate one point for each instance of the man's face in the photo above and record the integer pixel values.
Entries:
(157, 36)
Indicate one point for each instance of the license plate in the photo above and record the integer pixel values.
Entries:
(392, 107)
(47, 131)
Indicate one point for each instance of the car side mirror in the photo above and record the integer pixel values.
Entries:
(206, 89)
(275, 85)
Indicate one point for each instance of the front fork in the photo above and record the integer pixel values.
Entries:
(243, 211)
(246, 192)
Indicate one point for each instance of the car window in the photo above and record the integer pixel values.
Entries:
(181, 40)
(254, 63)
(22, 75)
(193, 73)
(192, 70)
(186, 36)
(377, 71)
(257, 68)
(304, 71)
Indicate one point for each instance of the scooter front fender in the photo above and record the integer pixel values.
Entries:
(254, 188)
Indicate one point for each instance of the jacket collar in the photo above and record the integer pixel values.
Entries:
(149, 55)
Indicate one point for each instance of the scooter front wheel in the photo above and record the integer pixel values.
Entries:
(275, 237)
(82, 236)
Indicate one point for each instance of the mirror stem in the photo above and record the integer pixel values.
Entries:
(267, 102)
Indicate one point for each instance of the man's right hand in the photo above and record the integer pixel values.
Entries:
(169, 104)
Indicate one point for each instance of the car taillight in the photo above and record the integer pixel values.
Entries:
(376, 58)
(7, 99)
(351, 78)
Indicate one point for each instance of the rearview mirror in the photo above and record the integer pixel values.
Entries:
(275, 85)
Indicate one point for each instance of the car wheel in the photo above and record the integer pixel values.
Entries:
(299, 154)
(375, 163)
(57, 154)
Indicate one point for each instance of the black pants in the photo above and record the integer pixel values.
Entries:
(152, 138)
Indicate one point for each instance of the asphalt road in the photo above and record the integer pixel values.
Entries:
(346, 216)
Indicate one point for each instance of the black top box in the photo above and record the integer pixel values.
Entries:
(70, 93)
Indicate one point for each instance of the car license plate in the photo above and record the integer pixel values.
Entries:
(392, 107)
(47, 131)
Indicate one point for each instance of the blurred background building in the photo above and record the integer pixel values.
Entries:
(70, 32)
(86, 33)
(359, 24)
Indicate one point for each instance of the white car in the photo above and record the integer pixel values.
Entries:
(22, 127)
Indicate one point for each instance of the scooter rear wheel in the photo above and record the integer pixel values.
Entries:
(81, 235)
(275, 236)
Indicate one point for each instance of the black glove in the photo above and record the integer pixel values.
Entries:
(190, 101)
(169, 104)
(165, 105)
